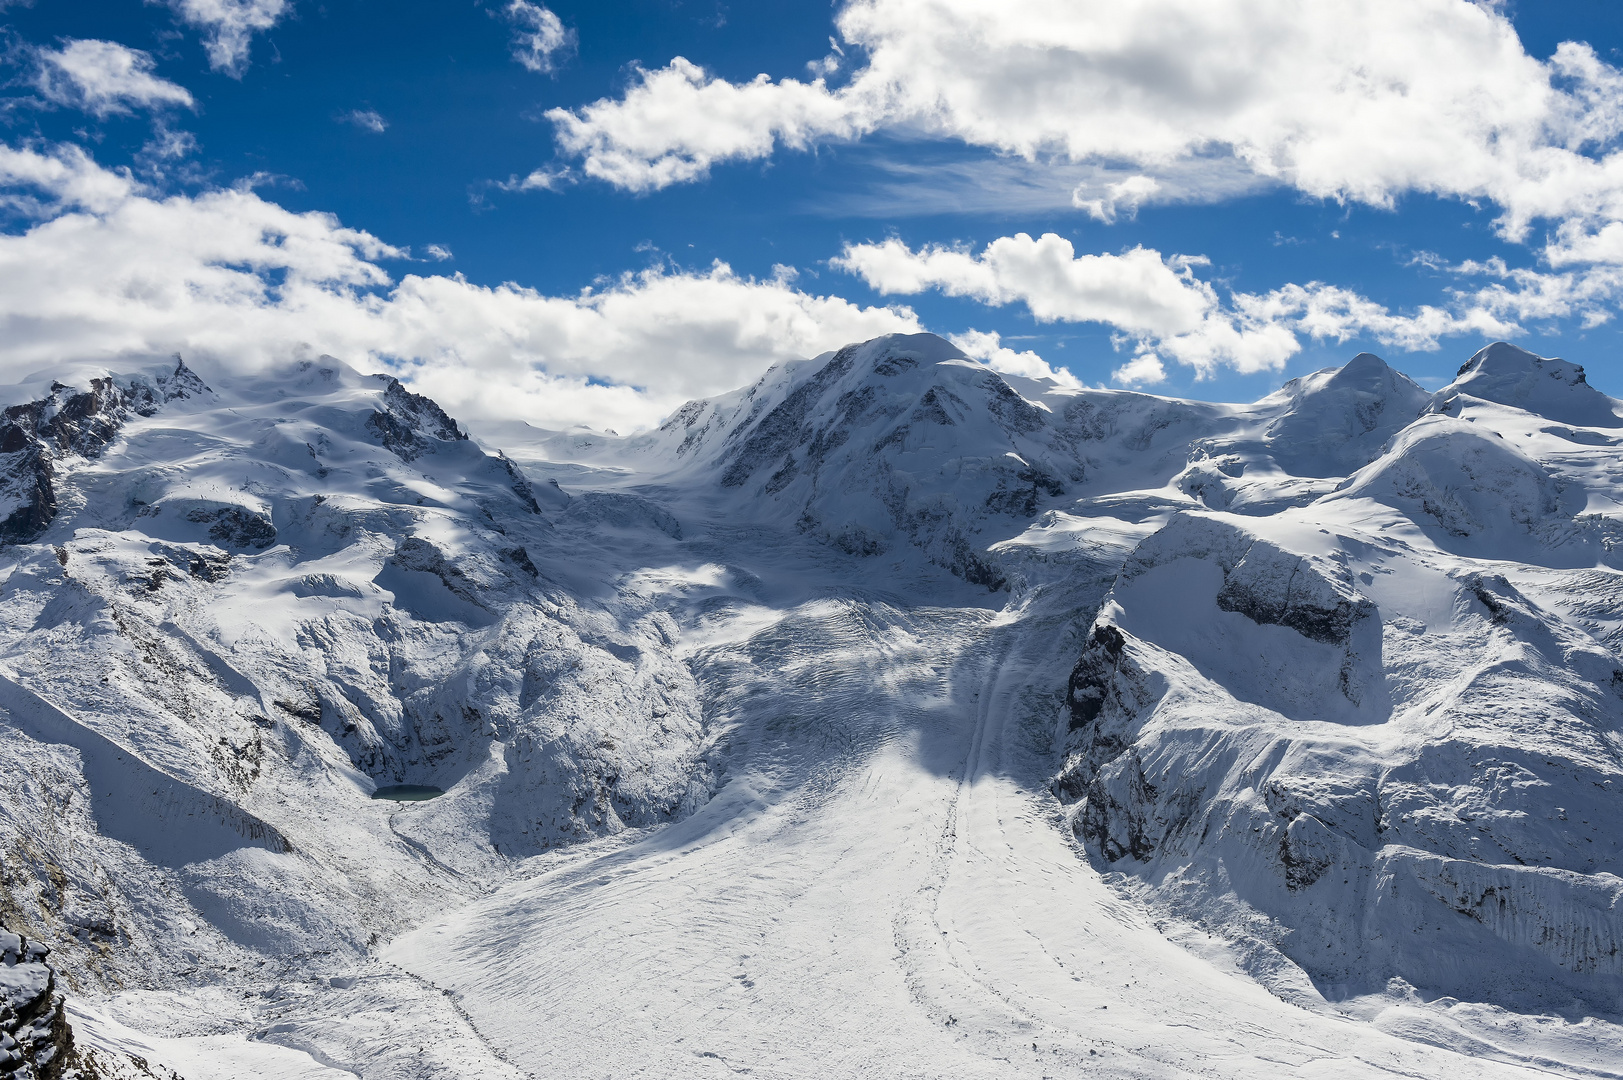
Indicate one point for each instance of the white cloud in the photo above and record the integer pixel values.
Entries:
(103, 78)
(539, 180)
(229, 27)
(1142, 370)
(674, 123)
(366, 119)
(540, 39)
(113, 270)
(1123, 196)
(891, 186)
(1161, 308)
(988, 347)
(1362, 101)
(1137, 291)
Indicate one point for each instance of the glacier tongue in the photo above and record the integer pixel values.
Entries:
(889, 716)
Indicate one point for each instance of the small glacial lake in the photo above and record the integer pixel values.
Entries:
(407, 792)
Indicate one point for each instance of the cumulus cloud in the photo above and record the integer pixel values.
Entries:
(674, 123)
(1138, 291)
(1120, 197)
(110, 269)
(1145, 369)
(1361, 101)
(104, 78)
(1151, 299)
(987, 347)
(1160, 307)
(229, 27)
(540, 40)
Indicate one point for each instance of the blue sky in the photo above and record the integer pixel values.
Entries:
(416, 124)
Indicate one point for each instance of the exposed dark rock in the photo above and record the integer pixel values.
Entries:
(1022, 501)
(410, 425)
(520, 486)
(236, 527)
(209, 567)
(1306, 851)
(308, 711)
(1013, 411)
(1305, 612)
(36, 434)
(932, 409)
(520, 558)
(1115, 826)
(894, 365)
(1090, 679)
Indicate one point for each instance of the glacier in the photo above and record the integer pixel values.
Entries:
(889, 716)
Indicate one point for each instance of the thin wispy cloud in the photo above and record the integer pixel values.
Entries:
(903, 179)
(229, 26)
(366, 120)
(540, 42)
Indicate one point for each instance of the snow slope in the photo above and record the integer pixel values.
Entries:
(889, 717)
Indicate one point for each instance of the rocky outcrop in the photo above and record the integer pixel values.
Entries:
(409, 424)
(76, 421)
(36, 1042)
(235, 527)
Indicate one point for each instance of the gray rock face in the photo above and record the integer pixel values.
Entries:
(409, 424)
(236, 528)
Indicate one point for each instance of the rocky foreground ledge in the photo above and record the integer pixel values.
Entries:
(35, 1039)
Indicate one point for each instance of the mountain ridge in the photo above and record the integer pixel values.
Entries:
(1329, 681)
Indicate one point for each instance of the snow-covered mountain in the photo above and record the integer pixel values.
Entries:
(891, 716)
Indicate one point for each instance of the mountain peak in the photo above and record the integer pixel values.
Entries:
(1364, 367)
(921, 348)
(1334, 420)
(1502, 358)
(1550, 387)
